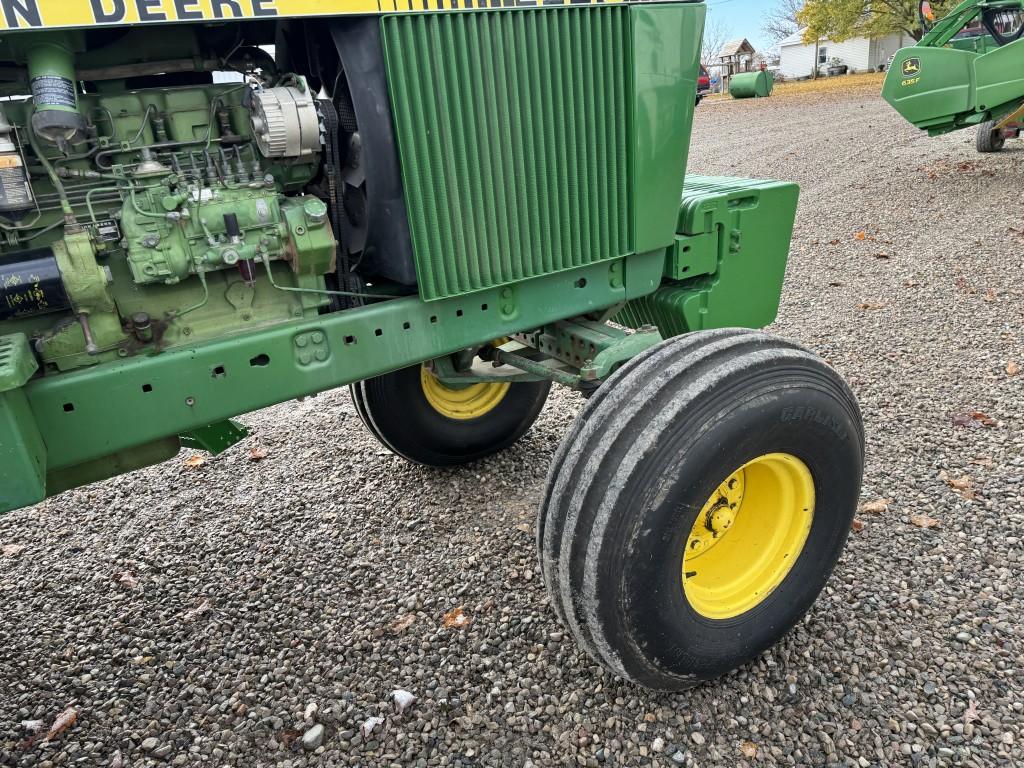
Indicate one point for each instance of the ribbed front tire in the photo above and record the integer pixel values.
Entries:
(699, 504)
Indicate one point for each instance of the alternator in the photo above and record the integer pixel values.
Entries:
(285, 122)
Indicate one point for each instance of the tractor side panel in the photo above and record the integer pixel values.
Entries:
(540, 140)
(666, 50)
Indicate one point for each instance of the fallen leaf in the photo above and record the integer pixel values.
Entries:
(962, 283)
(882, 256)
(860, 235)
(858, 525)
(990, 295)
(456, 618)
(369, 725)
(402, 623)
(971, 713)
(256, 453)
(1012, 369)
(195, 460)
(195, 613)
(287, 737)
(973, 419)
(923, 521)
(402, 700)
(876, 507)
(64, 720)
(748, 749)
(835, 284)
(963, 485)
(834, 242)
(126, 579)
(869, 305)
(10, 550)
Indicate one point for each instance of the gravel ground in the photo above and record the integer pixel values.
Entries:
(257, 614)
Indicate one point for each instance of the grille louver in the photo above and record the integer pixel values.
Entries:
(514, 137)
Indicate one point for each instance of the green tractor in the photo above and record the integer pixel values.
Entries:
(211, 206)
(964, 72)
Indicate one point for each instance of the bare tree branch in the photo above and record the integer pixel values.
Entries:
(781, 22)
(716, 34)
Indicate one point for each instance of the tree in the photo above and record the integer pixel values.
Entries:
(840, 20)
(716, 34)
(782, 21)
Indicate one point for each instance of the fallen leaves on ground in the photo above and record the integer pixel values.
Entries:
(869, 81)
(369, 726)
(857, 525)
(195, 460)
(195, 613)
(971, 713)
(923, 521)
(456, 618)
(126, 579)
(10, 550)
(402, 623)
(962, 283)
(257, 453)
(876, 507)
(287, 737)
(990, 295)
(64, 720)
(973, 419)
(860, 235)
(402, 700)
(963, 485)
(748, 749)
(1012, 368)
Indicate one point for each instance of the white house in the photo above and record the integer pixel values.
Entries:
(860, 54)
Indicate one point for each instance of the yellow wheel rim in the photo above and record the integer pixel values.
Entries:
(748, 535)
(462, 403)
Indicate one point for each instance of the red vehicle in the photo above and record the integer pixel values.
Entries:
(703, 83)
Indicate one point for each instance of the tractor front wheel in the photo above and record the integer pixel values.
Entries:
(989, 138)
(420, 418)
(700, 504)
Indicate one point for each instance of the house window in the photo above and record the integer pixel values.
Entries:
(823, 55)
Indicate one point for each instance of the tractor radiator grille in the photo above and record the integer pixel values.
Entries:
(514, 132)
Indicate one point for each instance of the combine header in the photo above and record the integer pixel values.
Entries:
(967, 71)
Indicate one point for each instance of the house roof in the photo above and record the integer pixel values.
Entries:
(734, 47)
(797, 38)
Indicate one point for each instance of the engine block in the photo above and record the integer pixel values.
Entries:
(163, 218)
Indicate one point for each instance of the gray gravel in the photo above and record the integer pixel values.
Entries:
(245, 613)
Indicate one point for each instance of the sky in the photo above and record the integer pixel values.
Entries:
(743, 18)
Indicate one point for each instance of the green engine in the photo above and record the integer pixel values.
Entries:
(134, 221)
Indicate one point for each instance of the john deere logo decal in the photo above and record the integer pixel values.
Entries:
(911, 67)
